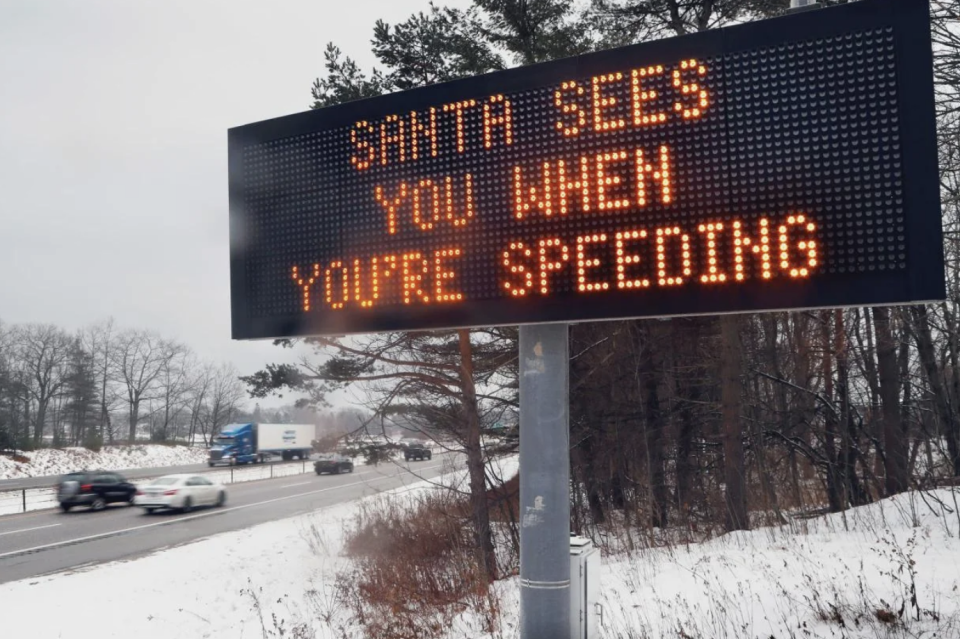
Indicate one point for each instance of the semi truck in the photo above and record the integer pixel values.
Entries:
(253, 443)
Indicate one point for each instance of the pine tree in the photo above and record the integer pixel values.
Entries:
(535, 30)
(438, 46)
(83, 398)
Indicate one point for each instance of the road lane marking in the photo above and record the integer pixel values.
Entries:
(302, 483)
(167, 522)
(13, 532)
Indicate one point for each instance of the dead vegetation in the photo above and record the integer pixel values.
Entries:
(415, 567)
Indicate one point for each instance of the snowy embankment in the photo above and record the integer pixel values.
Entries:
(845, 575)
(57, 461)
(890, 569)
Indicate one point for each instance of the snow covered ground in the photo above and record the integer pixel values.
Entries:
(845, 575)
(52, 461)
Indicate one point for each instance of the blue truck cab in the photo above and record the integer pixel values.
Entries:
(236, 444)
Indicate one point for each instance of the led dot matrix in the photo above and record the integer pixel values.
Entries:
(762, 170)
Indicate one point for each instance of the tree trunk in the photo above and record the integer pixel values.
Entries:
(650, 368)
(26, 418)
(803, 362)
(134, 418)
(894, 444)
(106, 433)
(875, 424)
(685, 467)
(928, 359)
(953, 336)
(834, 496)
(594, 501)
(786, 417)
(478, 481)
(907, 396)
(849, 433)
(41, 418)
(730, 398)
(166, 418)
(686, 335)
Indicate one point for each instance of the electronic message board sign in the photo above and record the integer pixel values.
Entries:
(789, 163)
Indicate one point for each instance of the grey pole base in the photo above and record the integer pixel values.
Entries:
(544, 482)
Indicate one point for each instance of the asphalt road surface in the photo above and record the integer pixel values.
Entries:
(135, 473)
(40, 543)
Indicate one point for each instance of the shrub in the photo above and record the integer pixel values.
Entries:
(92, 440)
(414, 569)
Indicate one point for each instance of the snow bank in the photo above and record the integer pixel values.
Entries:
(51, 461)
(224, 586)
(848, 575)
(204, 589)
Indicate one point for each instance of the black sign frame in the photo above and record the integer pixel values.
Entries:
(922, 281)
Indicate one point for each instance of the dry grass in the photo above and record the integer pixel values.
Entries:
(414, 568)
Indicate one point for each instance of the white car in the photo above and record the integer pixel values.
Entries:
(183, 492)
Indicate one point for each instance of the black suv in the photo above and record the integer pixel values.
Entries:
(94, 488)
(417, 451)
(333, 464)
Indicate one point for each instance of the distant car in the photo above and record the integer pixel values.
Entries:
(95, 489)
(417, 451)
(180, 492)
(333, 464)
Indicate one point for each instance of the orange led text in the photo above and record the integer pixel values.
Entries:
(640, 97)
(640, 258)
(417, 135)
(623, 179)
(412, 277)
(428, 202)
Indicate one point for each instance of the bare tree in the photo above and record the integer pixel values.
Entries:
(139, 360)
(224, 395)
(173, 385)
(43, 350)
(200, 385)
(99, 341)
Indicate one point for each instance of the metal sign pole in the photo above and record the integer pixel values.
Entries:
(544, 482)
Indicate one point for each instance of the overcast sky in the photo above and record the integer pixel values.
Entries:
(113, 156)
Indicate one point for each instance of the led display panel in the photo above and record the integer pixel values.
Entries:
(789, 163)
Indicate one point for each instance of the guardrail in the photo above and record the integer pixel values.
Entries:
(13, 502)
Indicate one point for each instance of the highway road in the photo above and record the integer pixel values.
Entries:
(40, 543)
(135, 473)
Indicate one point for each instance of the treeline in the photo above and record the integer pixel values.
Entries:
(705, 423)
(103, 384)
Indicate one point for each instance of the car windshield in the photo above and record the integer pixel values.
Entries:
(223, 441)
(165, 481)
(74, 477)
